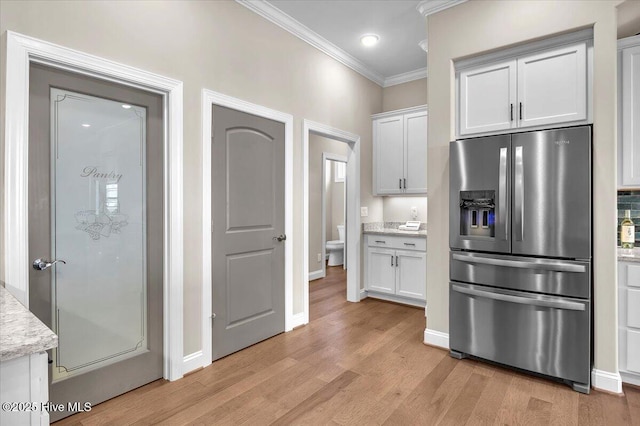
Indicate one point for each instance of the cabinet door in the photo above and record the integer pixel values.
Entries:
(412, 274)
(381, 270)
(415, 161)
(487, 97)
(633, 351)
(552, 86)
(389, 155)
(630, 116)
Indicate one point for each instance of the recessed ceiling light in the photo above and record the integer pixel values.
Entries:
(126, 106)
(369, 40)
(86, 125)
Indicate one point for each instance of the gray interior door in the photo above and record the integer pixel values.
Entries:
(248, 219)
(96, 203)
(552, 193)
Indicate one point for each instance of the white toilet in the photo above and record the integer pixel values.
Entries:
(335, 248)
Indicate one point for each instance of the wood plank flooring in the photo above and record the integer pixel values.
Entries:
(358, 364)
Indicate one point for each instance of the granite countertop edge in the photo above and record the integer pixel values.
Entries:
(629, 255)
(391, 228)
(21, 332)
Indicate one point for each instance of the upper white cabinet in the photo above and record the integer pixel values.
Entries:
(536, 86)
(487, 98)
(400, 152)
(629, 112)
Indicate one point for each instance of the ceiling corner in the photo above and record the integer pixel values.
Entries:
(429, 7)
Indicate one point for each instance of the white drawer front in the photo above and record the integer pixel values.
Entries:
(633, 351)
(633, 275)
(633, 308)
(404, 243)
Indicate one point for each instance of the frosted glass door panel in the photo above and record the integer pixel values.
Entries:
(99, 229)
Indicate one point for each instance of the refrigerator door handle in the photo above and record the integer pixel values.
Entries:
(519, 194)
(523, 300)
(502, 192)
(545, 266)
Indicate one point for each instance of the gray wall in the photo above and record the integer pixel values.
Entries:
(222, 46)
(318, 145)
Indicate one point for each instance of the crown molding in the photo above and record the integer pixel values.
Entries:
(286, 22)
(429, 7)
(405, 77)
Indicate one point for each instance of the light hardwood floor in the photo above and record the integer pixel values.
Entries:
(362, 364)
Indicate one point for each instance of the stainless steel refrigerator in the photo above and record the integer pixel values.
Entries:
(520, 261)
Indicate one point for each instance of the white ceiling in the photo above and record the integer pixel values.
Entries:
(342, 22)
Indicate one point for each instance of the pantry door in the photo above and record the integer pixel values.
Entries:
(96, 233)
(248, 241)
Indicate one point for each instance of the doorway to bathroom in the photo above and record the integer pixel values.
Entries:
(333, 194)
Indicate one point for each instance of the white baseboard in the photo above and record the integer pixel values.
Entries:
(606, 381)
(316, 275)
(631, 378)
(395, 298)
(194, 361)
(297, 320)
(363, 294)
(436, 338)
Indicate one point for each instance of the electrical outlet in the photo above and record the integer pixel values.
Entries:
(414, 212)
(319, 257)
(364, 211)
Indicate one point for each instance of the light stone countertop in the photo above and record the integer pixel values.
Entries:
(391, 228)
(629, 255)
(21, 333)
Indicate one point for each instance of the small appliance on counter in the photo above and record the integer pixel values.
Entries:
(411, 225)
(520, 262)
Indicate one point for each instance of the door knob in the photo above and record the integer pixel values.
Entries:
(280, 237)
(42, 264)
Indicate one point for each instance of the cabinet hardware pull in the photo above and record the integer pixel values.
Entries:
(396, 261)
(520, 110)
(381, 241)
(409, 244)
(391, 260)
(511, 112)
(404, 180)
(400, 183)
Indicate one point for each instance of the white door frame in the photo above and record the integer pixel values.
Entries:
(332, 157)
(353, 203)
(23, 50)
(209, 98)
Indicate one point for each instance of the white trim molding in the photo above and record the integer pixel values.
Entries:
(353, 237)
(316, 275)
(429, 7)
(606, 381)
(405, 77)
(436, 338)
(286, 22)
(194, 361)
(209, 98)
(23, 50)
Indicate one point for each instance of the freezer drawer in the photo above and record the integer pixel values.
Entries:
(543, 334)
(550, 276)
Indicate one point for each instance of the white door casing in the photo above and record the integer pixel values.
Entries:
(21, 51)
(203, 358)
(353, 238)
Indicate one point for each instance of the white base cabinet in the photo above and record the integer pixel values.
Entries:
(396, 268)
(24, 390)
(629, 321)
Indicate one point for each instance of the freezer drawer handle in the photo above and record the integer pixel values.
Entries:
(572, 306)
(547, 266)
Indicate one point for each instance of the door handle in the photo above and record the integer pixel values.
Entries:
(532, 301)
(42, 264)
(519, 193)
(502, 193)
(539, 265)
(280, 237)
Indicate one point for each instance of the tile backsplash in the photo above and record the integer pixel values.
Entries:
(629, 200)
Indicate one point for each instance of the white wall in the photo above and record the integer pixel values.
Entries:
(222, 46)
(476, 27)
